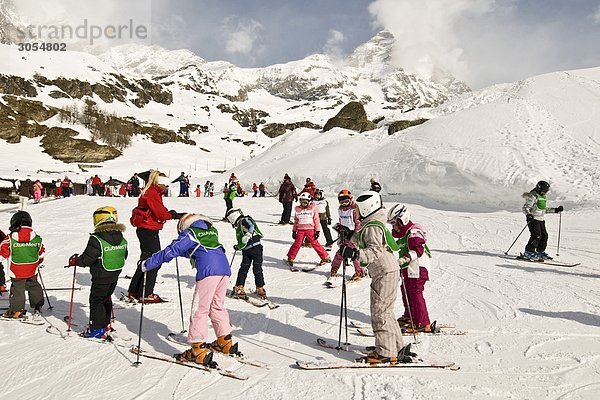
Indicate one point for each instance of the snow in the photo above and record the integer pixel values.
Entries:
(532, 328)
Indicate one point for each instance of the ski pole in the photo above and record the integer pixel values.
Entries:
(559, 226)
(180, 301)
(137, 361)
(45, 292)
(343, 305)
(71, 305)
(412, 324)
(513, 243)
(232, 258)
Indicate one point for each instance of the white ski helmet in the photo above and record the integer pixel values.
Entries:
(234, 215)
(398, 212)
(305, 196)
(368, 203)
(188, 219)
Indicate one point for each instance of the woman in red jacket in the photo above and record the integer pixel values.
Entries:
(149, 217)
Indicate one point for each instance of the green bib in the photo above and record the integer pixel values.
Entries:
(541, 200)
(25, 253)
(403, 244)
(239, 233)
(390, 241)
(113, 257)
(208, 238)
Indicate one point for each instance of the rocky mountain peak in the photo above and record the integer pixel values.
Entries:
(376, 51)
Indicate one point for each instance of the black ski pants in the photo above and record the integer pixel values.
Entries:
(2, 276)
(149, 244)
(326, 232)
(254, 256)
(538, 239)
(286, 215)
(228, 205)
(101, 304)
(17, 293)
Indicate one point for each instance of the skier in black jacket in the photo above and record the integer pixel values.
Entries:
(105, 255)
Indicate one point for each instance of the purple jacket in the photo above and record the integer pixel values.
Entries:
(287, 192)
(208, 262)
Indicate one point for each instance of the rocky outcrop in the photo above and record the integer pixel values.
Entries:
(274, 130)
(249, 118)
(17, 86)
(397, 126)
(189, 128)
(352, 116)
(22, 117)
(60, 144)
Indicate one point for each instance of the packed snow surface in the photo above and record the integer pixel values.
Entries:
(532, 329)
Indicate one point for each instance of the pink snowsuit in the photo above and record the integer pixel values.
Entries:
(37, 192)
(348, 218)
(306, 223)
(415, 285)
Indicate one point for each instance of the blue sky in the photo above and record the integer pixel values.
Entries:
(480, 41)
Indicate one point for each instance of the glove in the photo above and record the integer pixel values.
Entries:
(294, 235)
(175, 214)
(403, 262)
(529, 218)
(142, 265)
(316, 235)
(73, 260)
(349, 252)
(328, 221)
(559, 209)
(236, 247)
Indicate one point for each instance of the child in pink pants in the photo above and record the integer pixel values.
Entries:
(307, 225)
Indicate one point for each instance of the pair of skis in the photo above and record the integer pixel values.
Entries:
(320, 365)
(439, 330)
(552, 262)
(254, 300)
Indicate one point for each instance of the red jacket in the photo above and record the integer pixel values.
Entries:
(96, 181)
(22, 271)
(152, 200)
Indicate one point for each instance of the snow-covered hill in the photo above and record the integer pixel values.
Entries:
(481, 150)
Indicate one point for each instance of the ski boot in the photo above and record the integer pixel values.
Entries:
(325, 260)
(9, 314)
(375, 358)
(95, 334)
(261, 292)
(542, 255)
(290, 262)
(333, 272)
(224, 344)
(130, 297)
(3, 289)
(199, 354)
(153, 298)
(358, 275)
(239, 292)
(403, 322)
(406, 356)
(530, 256)
(429, 328)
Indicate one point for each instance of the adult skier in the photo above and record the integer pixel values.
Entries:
(306, 226)
(105, 255)
(198, 240)
(149, 218)
(287, 195)
(375, 250)
(248, 237)
(535, 209)
(414, 267)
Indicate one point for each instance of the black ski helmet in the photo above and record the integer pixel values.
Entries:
(19, 219)
(542, 187)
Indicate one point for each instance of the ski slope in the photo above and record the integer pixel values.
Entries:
(533, 330)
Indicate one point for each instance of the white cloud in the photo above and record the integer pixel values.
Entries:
(332, 46)
(242, 36)
(425, 32)
(596, 15)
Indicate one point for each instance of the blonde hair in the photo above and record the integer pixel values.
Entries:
(152, 180)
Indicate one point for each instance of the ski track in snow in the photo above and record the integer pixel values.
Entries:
(533, 329)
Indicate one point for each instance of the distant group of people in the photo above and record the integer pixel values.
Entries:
(209, 189)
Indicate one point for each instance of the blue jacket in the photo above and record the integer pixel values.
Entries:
(208, 262)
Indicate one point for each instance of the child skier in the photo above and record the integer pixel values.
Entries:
(248, 241)
(414, 264)
(322, 207)
(37, 192)
(535, 209)
(349, 222)
(198, 240)
(25, 251)
(229, 194)
(375, 249)
(2, 275)
(306, 225)
(105, 255)
(198, 191)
